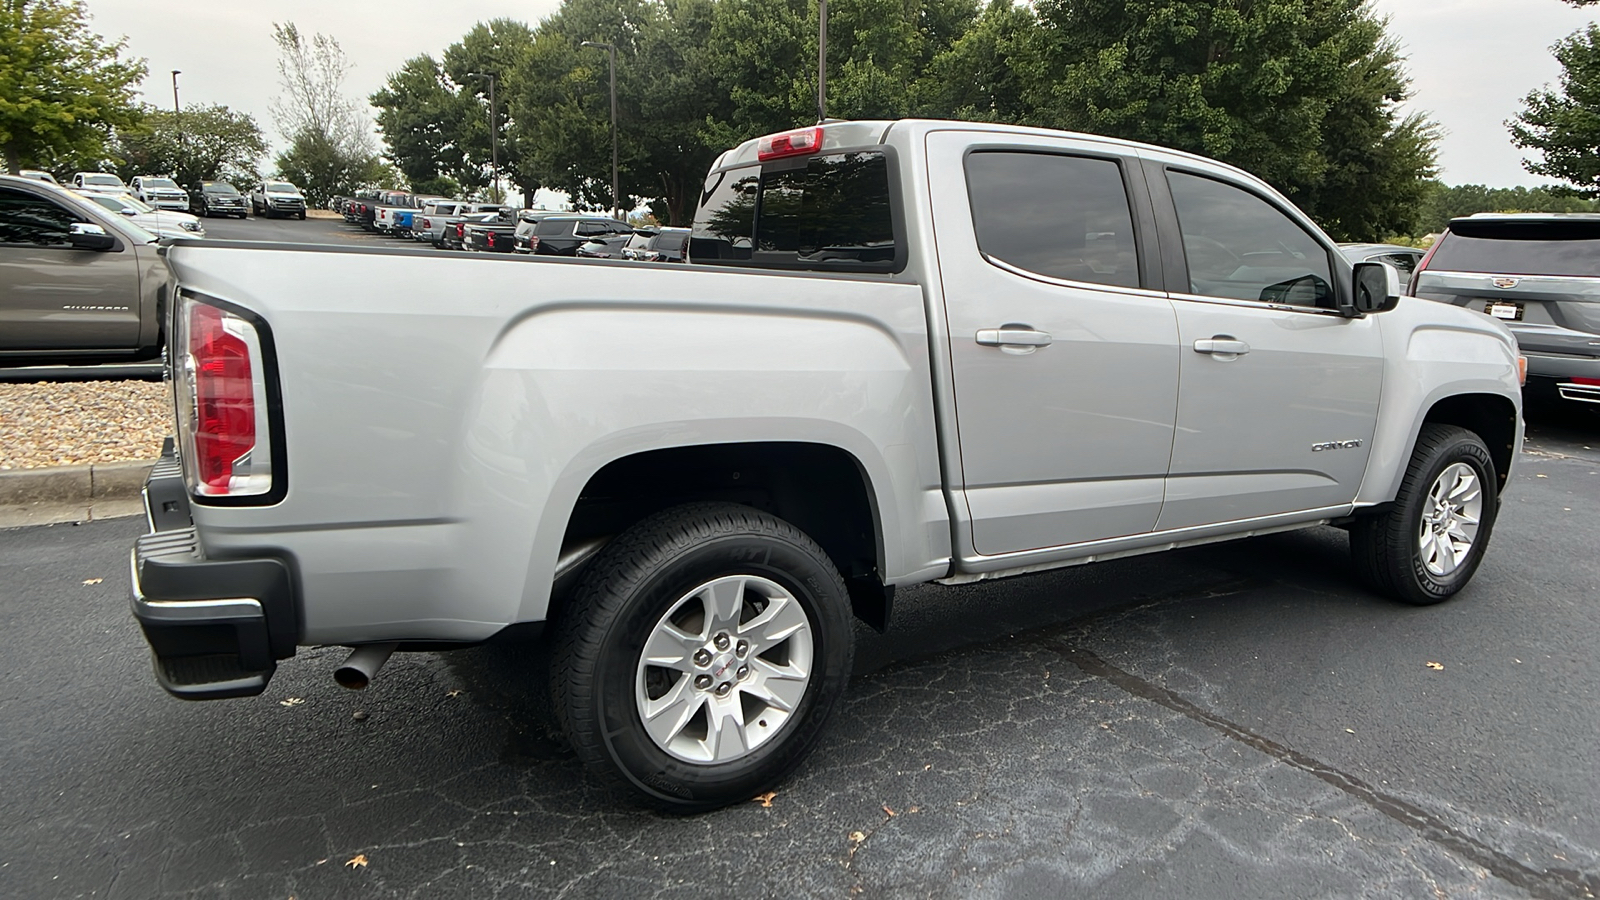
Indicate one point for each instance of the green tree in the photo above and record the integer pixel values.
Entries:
(62, 88)
(1303, 93)
(426, 123)
(331, 150)
(1564, 125)
(205, 142)
(499, 47)
(1441, 202)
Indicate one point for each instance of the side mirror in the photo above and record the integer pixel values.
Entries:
(129, 211)
(1377, 287)
(88, 236)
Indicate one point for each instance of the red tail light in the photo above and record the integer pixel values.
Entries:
(223, 408)
(426, 224)
(461, 230)
(488, 238)
(1589, 381)
(802, 142)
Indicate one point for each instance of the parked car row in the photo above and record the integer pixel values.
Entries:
(450, 224)
(202, 198)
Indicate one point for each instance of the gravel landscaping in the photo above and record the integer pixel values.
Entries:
(62, 424)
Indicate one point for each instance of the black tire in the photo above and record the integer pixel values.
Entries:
(302, 217)
(1385, 546)
(628, 589)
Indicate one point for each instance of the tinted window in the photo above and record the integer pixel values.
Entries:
(158, 182)
(218, 187)
(548, 227)
(1240, 246)
(1405, 262)
(1520, 248)
(824, 212)
(671, 242)
(26, 219)
(283, 186)
(1062, 216)
(593, 228)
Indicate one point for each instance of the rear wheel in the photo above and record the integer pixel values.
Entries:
(702, 655)
(1426, 546)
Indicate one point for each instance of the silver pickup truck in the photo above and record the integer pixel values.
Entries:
(903, 352)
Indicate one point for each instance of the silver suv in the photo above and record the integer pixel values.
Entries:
(1538, 273)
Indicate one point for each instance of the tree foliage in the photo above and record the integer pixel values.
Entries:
(62, 88)
(202, 143)
(1302, 92)
(331, 150)
(1441, 203)
(426, 123)
(1564, 125)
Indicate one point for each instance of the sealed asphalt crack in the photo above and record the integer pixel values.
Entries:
(1550, 883)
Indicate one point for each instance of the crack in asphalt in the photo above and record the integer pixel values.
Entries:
(1554, 884)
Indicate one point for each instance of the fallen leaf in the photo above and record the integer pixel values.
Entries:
(358, 862)
(321, 861)
(292, 701)
(764, 799)
(93, 580)
(927, 767)
(1435, 666)
(452, 693)
(1350, 730)
(857, 837)
(889, 812)
(1541, 476)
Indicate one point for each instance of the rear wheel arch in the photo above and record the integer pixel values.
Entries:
(822, 489)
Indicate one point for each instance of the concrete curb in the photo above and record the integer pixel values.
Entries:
(75, 485)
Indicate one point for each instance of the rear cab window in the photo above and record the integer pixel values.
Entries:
(831, 212)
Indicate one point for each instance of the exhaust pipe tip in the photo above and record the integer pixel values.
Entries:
(362, 665)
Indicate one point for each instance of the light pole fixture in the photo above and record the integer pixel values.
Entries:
(611, 53)
(494, 145)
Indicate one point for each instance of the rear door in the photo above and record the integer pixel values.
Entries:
(1278, 397)
(1063, 346)
(53, 297)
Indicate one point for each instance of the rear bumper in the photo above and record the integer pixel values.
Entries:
(216, 627)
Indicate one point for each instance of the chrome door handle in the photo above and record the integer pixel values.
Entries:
(1013, 336)
(1222, 345)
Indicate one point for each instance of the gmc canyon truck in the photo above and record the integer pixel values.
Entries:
(903, 352)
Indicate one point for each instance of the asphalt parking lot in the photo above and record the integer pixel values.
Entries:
(1228, 721)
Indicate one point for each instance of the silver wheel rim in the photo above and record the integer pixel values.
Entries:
(1450, 518)
(724, 669)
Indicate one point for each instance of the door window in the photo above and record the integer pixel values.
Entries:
(1242, 247)
(1062, 216)
(27, 219)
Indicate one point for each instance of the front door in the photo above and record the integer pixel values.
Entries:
(1278, 397)
(1064, 351)
(53, 297)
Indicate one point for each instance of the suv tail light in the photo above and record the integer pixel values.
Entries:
(223, 400)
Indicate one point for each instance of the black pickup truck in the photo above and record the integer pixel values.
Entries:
(77, 283)
(494, 235)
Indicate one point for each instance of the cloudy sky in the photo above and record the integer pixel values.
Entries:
(1471, 60)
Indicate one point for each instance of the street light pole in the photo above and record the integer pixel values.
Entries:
(822, 61)
(611, 54)
(494, 145)
(177, 115)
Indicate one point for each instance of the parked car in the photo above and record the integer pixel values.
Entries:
(361, 208)
(160, 222)
(99, 181)
(606, 246)
(491, 235)
(667, 245)
(440, 216)
(78, 282)
(690, 478)
(454, 236)
(38, 175)
(393, 216)
(527, 220)
(277, 198)
(216, 198)
(1539, 274)
(1403, 258)
(562, 235)
(161, 193)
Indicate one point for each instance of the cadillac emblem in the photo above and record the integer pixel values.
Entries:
(1505, 283)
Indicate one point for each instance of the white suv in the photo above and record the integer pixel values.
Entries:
(162, 193)
(104, 182)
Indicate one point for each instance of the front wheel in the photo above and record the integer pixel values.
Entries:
(1426, 546)
(302, 217)
(702, 654)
